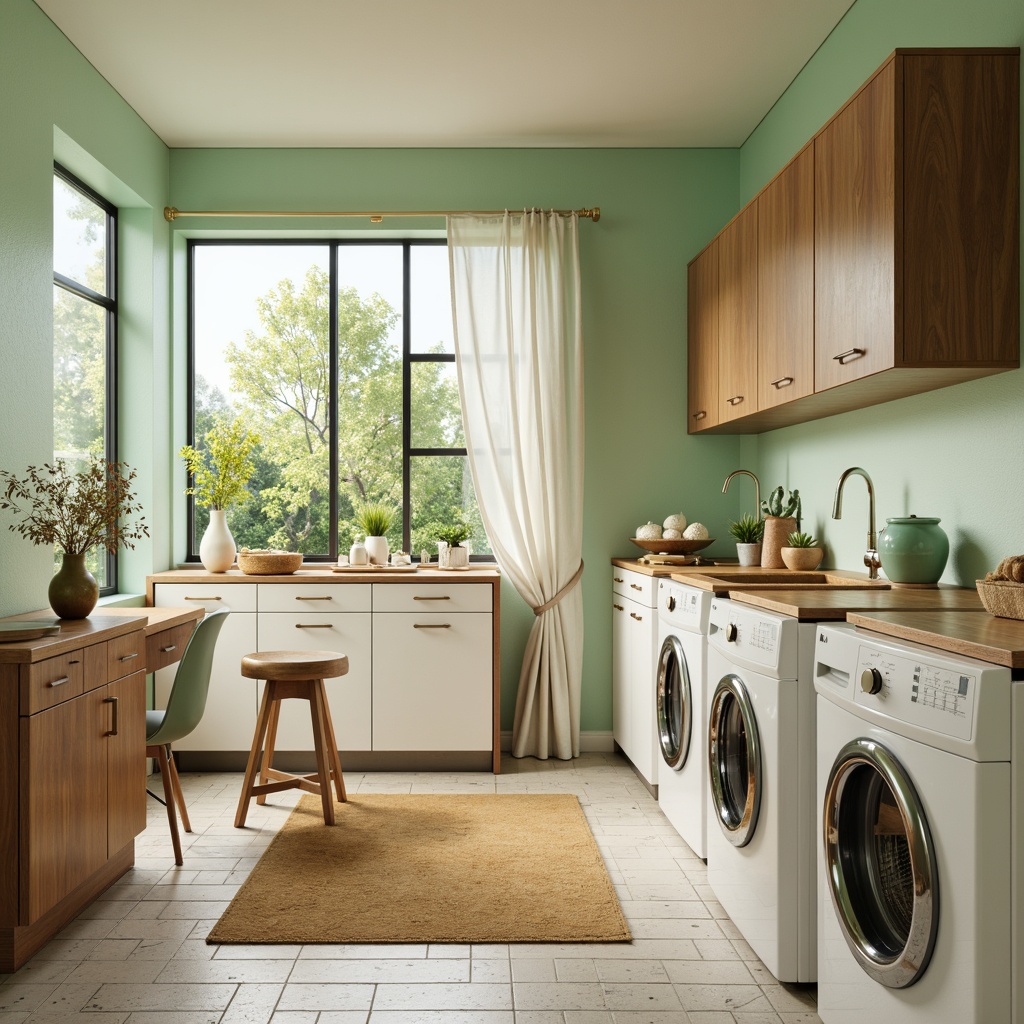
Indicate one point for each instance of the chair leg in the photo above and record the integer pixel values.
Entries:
(333, 757)
(160, 753)
(254, 754)
(268, 749)
(179, 797)
(323, 768)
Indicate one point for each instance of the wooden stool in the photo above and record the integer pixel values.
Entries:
(293, 674)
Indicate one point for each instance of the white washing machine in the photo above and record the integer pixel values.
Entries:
(681, 709)
(918, 796)
(761, 782)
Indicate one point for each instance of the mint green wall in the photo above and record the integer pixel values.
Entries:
(56, 105)
(658, 208)
(954, 453)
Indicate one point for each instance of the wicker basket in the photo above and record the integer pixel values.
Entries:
(1002, 597)
(269, 563)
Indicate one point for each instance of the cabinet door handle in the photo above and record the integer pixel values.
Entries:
(735, 400)
(325, 597)
(618, 579)
(633, 615)
(618, 607)
(168, 648)
(218, 598)
(431, 625)
(59, 682)
(701, 414)
(782, 382)
(850, 353)
(417, 597)
(634, 586)
(113, 717)
(313, 625)
(128, 657)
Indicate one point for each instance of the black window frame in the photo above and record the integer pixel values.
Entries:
(409, 358)
(109, 303)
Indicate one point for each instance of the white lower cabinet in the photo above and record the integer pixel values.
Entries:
(230, 718)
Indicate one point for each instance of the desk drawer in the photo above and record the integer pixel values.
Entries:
(167, 646)
(126, 654)
(49, 682)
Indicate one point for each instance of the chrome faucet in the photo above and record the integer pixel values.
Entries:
(871, 559)
(757, 487)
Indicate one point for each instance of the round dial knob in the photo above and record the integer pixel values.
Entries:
(670, 604)
(731, 633)
(871, 680)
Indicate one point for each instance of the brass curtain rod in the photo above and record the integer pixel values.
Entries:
(172, 213)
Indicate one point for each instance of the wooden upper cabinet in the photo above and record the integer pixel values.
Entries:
(702, 340)
(737, 316)
(785, 284)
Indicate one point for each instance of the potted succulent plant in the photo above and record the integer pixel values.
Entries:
(781, 511)
(748, 531)
(75, 512)
(375, 518)
(802, 552)
(452, 553)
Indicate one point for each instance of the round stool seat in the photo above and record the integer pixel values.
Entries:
(294, 665)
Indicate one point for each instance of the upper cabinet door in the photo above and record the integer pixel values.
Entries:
(785, 284)
(702, 340)
(855, 236)
(737, 316)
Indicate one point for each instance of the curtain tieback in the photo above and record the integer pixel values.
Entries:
(541, 609)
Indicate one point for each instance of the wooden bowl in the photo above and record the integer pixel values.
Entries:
(670, 546)
(269, 563)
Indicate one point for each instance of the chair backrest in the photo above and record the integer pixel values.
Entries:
(187, 699)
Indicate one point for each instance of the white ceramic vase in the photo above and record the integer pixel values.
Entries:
(377, 548)
(217, 548)
(749, 554)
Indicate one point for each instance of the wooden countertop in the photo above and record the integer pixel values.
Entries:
(985, 637)
(826, 605)
(487, 572)
(773, 580)
(634, 565)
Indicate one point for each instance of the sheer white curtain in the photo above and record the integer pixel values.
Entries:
(519, 352)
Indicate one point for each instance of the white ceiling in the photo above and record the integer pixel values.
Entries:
(460, 73)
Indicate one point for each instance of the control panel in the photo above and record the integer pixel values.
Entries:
(753, 637)
(686, 607)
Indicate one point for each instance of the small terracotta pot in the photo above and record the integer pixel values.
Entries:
(804, 559)
(776, 533)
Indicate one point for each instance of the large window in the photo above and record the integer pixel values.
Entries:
(339, 355)
(84, 335)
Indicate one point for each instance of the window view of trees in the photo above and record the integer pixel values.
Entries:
(84, 235)
(326, 384)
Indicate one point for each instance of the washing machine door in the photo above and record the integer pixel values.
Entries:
(734, 760)
(675, 703)
(880, 864)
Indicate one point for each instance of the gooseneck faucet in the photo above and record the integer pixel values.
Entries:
(757, 488)
(871, 559)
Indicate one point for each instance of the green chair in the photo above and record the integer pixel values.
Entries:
(185, 705)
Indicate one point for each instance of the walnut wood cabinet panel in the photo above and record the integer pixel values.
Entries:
(785, 284)
(737, 316)
(916, 246)
(702, 330)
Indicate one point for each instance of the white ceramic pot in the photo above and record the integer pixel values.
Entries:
(749, 554)
(217, 548)
(377, 548)
(458, 557)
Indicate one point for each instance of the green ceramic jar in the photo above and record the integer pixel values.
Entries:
(913, 549)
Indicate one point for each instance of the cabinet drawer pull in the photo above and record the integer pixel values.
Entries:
(168, 648)
(321, 597)
(128, 657)
(850, 353)
(702, 414)
(113, 717)
(444, 597)
(431, 625)
(735, 400)
(60, 682)
(218, 598)
(313, 625)
(618, 579)
(618, 607)
(633, 615)
(635, 586)
(782, 382)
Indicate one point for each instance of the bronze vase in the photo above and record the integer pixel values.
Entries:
(73, 591)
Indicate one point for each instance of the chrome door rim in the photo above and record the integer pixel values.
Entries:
(674, 754)
(738, 829)
(907, 965)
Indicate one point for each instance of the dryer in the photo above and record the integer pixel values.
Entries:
(681, 709)
(761, 782)
(918, 795)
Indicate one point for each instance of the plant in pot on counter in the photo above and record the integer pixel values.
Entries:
(781, 511)
(802, 551)
(375, 518)
(219, 473)
(748, 531)
(452, 553)
(80, 513)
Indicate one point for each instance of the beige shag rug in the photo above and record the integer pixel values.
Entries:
(429, 868)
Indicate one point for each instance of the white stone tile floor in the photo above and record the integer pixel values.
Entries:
(138, 956)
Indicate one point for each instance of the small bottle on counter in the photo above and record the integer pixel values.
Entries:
(357, 553)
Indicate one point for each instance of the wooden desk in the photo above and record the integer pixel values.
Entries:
(72, 763)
